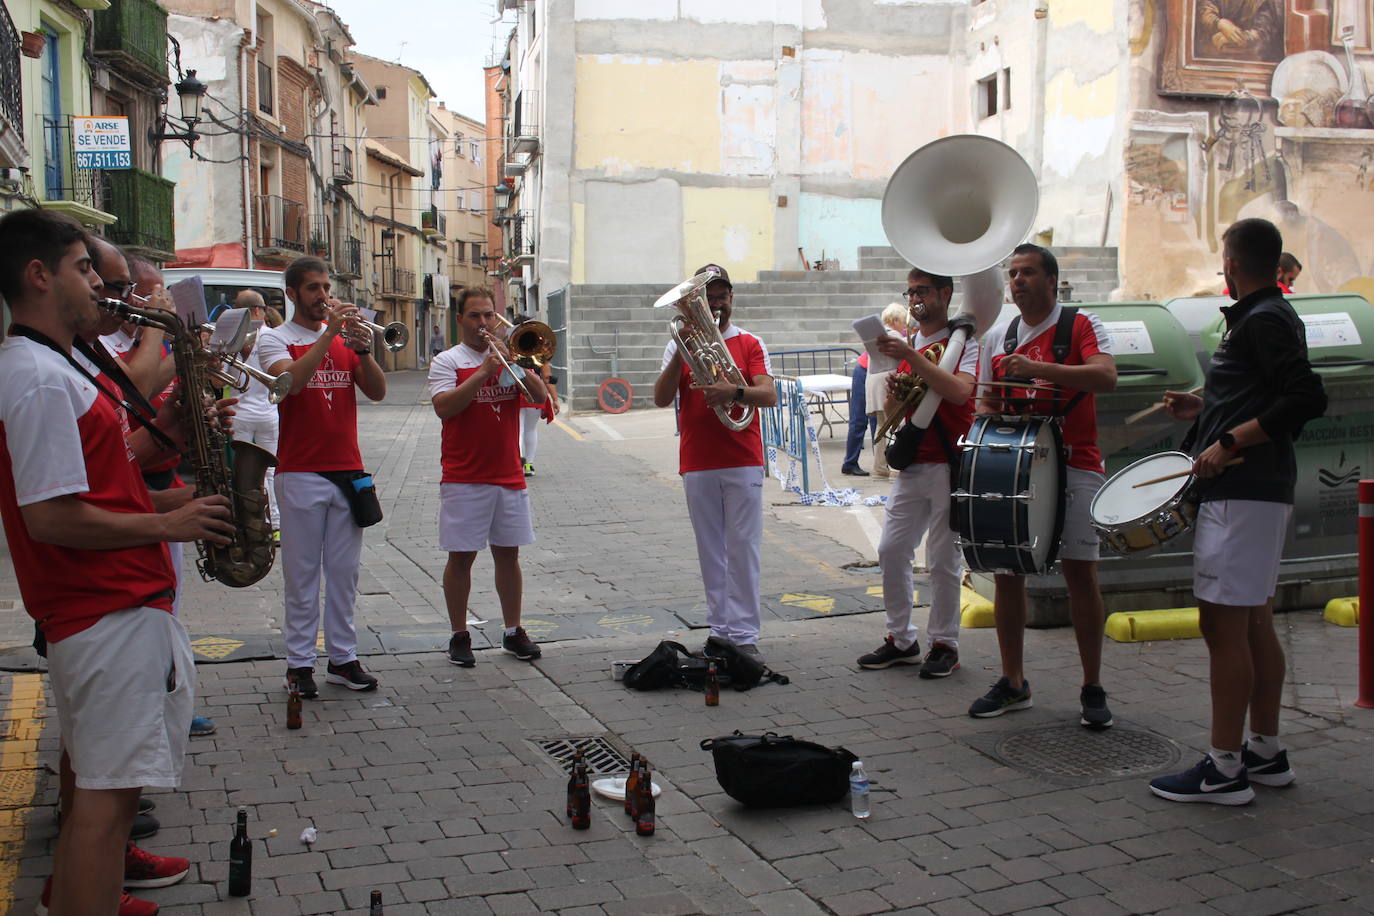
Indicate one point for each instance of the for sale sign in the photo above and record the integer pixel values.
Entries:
(102, 143)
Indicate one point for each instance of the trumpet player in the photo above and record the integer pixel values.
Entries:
(327, 353)
(257, 420)
(722, 470)
(918, 506)
(483, 500)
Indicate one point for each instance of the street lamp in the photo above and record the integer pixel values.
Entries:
(191, 95)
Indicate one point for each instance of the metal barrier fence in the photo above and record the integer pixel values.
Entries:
(784, 430)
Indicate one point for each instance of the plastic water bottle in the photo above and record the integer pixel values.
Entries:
(858, 789)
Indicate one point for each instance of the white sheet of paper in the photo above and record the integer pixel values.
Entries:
(870, 328)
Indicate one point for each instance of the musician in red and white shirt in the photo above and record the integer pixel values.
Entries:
(87, 540)
(918, 505)
(483, 500)
(723, 470)
(327, 353)
(1087, 369)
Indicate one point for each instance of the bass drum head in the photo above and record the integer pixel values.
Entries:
(1045, 513)
(1121, 501)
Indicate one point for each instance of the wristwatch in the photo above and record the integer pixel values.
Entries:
(739, 394)
(1228, 442)
(363, 352)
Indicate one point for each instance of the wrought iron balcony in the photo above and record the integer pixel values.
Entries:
(321, 233)
(397, 281)
(143, 203)
(11, 92)
(84, 191)
(343, 163)
(281, 224)
(520, 236)
(348, 261)
(523, 135)
(432, 222)
(132, 36)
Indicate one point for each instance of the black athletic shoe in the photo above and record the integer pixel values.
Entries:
(1273, 771)
(144, 826)
(460, 650)
(941, 661)
(350, 675)
(1001, 698)
(887, 655)
(521, 646)
(1095, 715)
(1204, 783)
(304, 679)
(146, 804)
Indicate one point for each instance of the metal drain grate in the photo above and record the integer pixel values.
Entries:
(601, 757)
(1070, 753)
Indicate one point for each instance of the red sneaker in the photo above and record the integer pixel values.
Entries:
(143, 869)
(128, 906)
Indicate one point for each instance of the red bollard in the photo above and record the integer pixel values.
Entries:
(1366, 694)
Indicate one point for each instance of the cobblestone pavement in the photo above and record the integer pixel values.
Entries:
(436, 789)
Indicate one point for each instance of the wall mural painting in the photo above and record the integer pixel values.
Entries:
(1288, 133)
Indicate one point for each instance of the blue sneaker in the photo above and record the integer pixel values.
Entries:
(201, 726)
(1205, 783)
(1273, 771)
(1001, 698)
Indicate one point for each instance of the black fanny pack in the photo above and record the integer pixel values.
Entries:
(361, 494)
(769, 771)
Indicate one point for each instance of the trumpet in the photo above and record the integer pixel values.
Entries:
(395, 336)
(278, 386)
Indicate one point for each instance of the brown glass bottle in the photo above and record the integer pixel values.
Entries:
(632, 786)
(579, 795)
(375, 909)
(644, 804)
(241, 858)
(293, 708)
(712, 686)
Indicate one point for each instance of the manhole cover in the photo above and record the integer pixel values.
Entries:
(1071, 753)
(601, 757)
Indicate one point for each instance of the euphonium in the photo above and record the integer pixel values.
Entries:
(222, 466)
(700, 342)
(914, 388)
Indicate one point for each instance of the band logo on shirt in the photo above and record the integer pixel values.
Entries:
(327, 377)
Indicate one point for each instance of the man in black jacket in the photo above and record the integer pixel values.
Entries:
(1260, 391)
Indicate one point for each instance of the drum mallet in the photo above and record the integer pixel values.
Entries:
(1366, 694)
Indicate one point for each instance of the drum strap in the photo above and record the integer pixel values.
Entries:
(1063, 342)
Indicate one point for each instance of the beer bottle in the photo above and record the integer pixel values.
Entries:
(580, 795)
(293, 707)
(644, 805)
(376, 908)
(712, 688)
(241, 858)
(632, 786)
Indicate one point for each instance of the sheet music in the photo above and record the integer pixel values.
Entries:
(870, 328)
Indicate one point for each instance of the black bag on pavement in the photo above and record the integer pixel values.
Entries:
(739, 669)
(772, 771)
(670, 665)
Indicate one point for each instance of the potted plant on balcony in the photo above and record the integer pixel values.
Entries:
(33, 43)
(319, 246)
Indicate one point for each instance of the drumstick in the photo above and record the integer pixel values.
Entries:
(1016, 385)
(1175, 476)
(1159, 405)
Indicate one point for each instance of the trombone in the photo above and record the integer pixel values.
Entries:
(532, 343)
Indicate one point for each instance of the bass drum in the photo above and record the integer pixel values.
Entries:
(1009, 508)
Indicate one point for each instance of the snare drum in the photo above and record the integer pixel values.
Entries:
(1131, 519)
(1009, 507)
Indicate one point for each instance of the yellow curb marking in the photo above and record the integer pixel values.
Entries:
(1343, 612)
(821, 604)
(538, 628)
(18, 775)
(569, 430)
(215, 646)
(621, 621)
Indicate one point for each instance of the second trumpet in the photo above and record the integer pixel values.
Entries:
(395, 336)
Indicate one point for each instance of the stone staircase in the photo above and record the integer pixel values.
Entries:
(789, 310)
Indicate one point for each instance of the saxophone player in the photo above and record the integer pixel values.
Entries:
(87, 540)
(327, 355)
(722, 470)
(918, 505)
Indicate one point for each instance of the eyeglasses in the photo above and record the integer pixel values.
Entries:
(923, 292)
(120, 288)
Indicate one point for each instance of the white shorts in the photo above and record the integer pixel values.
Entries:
(1079, 540)
(124, 689)
(471, 515)
(1237, 545)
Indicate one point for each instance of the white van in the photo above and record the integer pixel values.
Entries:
(222, 284)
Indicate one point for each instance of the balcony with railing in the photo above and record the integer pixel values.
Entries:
(523, 133)
(12, 150)
(281, 228)
(397, 281)
(343, 162)
(80, 193)
(132, 37)
(432, 222)
(321, 234)
(143, 204)
(520, 237)
(348, 261)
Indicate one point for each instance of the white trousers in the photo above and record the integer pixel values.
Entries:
(176, 550)
(917, 506)
(264, 433)
(317, 531)
(726, 508)
(530, 418)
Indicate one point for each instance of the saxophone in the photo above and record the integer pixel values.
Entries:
(700, 342)
(234, 470)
